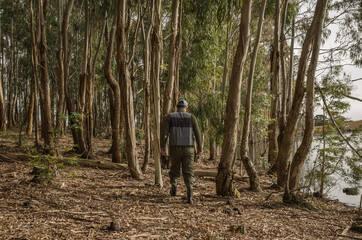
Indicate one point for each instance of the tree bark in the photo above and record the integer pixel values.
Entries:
(126, 91)
(274, 89)
(10, 78)
(291, 70)
(116, 96)
(156, 59)
(288, 134)
(170, 84)
(224, 178)
(45, 83)
(30, 113)
(303, 150)
(34, 61)
(284, 91)
(62, 59)
(2, 100)
(244, 147)
(146, 86)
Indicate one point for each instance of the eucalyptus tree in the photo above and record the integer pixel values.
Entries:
(311, 43)
(303, 150)
(47, 123)
(2, 99)
(124, 59)
(253, 176)
(156, 62)
(171, 90)
(224, 178)
(63, 58)
(146, 34)
(274, 88)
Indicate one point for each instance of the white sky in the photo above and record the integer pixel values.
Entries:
(355, 112)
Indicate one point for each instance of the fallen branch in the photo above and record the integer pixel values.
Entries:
(6, 159)
(69, 161)
(101, 164)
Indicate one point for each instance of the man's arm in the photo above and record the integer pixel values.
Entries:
(196, 130)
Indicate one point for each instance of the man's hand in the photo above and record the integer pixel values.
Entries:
(198, 155)
(163, 152)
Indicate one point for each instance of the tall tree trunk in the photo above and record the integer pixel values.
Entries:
(226, 65)
(304, 148)
(288, 134)
(146, 86)
(156, 59)
(30, 113)
(284, 90)
(224, 178)
(2, 100)
(83, 85)
(46, 114)
(291, 66)
(253, 175)
(116, 96)
(10, 77)
(126, 91)
(274, 89)
(178, 58)
(170, 84)
(213, 146)
(61, 95)
(34, 61)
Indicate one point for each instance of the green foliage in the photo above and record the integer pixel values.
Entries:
(45, 168)
(76, 118)
(334, 157)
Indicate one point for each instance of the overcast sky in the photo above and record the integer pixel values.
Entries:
(355, 111)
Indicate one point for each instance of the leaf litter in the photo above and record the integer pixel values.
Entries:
(108, 204)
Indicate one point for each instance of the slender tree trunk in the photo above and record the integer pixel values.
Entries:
(10, 77)
(156, 59)
(30, 113)
(61, 94)
(291, 64)
(46, 114)
(126, 91)
(83, 85)
(213, 147)
(2, 99)
(178, 58)
(288, 134)
(284, 90)
(274, 89)
(253, 176)
(303, 150)
(34, 60)
(224, 178)
(146, 87)
(226, 66)
(170, 84)
(116, 96)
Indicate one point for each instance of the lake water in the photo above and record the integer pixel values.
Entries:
(336, 191)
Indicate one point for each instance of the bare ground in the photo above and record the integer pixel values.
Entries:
(80, 203)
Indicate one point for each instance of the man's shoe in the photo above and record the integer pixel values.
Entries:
(173, 190)
(189, 195)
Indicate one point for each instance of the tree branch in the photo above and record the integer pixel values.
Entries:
(335, 125)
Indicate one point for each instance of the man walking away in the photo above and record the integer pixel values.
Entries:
(182, 127)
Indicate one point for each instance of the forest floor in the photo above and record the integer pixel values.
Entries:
(81, 203)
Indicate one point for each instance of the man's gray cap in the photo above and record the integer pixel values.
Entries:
(181, 103)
